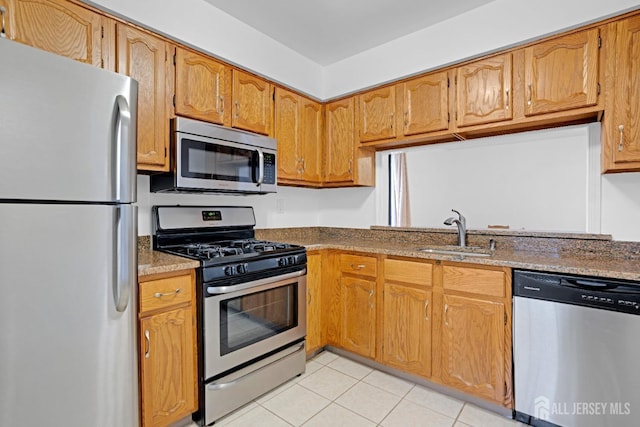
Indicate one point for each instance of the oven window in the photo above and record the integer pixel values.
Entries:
(250, 318)
(217, 161)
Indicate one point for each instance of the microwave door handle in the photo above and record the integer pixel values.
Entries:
(260, 167)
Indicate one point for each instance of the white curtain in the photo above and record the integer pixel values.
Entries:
(399, 214)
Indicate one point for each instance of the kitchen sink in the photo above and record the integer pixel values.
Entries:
(463, 251)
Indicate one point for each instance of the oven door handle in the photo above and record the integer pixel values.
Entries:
(217, 290)
(221, 386)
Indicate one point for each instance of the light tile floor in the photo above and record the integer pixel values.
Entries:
(335, 391)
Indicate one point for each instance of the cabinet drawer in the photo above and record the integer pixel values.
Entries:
(358, 264)
(474, 280)
(418, 273)
(163, 293)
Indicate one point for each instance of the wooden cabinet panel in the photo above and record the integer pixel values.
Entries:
(472, 346)
(312, 133)
(56, 26)
(287, 126)
(562, 73)
(339, 141)
(144, 57)
(407, 329)
(168, 370)
(201, 87)
(314, 302)
(163, 293)
(474, 280)
(377, 114)
(426, 104)
(484, 92)
(358, 315)
(252, 103)
(417, 273)
(299, 132)
(621, 128)
(361, 265)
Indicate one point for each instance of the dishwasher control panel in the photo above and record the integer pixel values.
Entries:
(607, 294)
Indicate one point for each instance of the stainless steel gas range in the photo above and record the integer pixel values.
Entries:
(251, 303)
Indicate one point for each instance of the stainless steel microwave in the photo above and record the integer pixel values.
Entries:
(212, 158)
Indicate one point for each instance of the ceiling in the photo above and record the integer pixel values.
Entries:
(327, 31)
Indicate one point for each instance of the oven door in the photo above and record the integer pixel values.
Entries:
(252, 319)
(212, 164)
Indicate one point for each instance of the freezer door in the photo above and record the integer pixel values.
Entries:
(67, 316)
(67, 129)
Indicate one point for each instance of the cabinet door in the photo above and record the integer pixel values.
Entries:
(314, 302)
(168, 371)
(377, 114)
(311, 137)
(358, 315)
(562, 73)
(143, 57)
(624, 133)
(426, 104)
(287, 133)
(407, 329)
(201, 86)
(484, 92)
(56, 26)
(472, 346)
(339, 143)
(252, 103)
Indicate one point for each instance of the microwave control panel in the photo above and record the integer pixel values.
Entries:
(269, 168)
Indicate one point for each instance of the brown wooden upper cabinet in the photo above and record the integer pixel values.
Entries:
(377, 114)
(339, 142)
(425, 103)
(621, 128)
(202, 87)
(56, 26)
(562, 73)
(298, 130)
(252, 107)
(483, 91)
(145, 58)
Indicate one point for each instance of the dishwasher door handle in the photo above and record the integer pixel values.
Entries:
(587, 284)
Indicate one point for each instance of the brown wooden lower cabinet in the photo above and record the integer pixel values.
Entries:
(448, 322)
(314, 301)
(472, 346)
(168, 358)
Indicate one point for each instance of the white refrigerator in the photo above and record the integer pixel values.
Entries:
(68, 233)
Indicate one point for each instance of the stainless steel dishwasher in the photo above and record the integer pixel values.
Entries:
(576, 350)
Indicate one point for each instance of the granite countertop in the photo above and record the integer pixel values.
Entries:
(592, 255)
(154, 262)
(570, 253)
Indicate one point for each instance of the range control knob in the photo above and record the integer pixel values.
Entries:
(282, 262)
(291, 260)
(242, 268)
(229, 271)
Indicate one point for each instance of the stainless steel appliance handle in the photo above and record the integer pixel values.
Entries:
(240, 286)
(260, 167)
(2, 13)
(126, 255)
(122, 143)
(214, 386)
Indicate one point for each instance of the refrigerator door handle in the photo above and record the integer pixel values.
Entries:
(124, 143)
(126, 255)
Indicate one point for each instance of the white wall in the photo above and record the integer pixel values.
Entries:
(488, 28)
(197, 23)
(491, 27)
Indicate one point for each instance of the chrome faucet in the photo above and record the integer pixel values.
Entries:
(461, 222)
